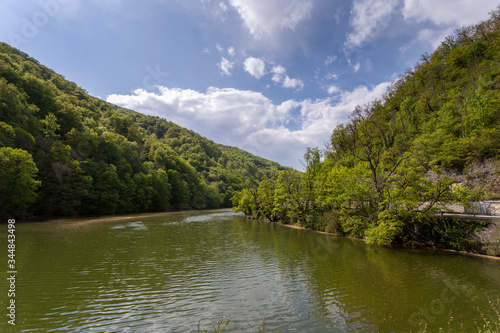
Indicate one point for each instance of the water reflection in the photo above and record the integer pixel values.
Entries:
(167, 272)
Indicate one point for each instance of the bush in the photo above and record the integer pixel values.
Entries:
(332, 222)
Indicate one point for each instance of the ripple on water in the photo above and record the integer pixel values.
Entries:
(166, 274)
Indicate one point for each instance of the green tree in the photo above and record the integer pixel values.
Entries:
(107, 185)
(50, 126)
(7, 135)
(162, 190)
(246, 201)
(18, 182)
(287, 197)
(265, 197)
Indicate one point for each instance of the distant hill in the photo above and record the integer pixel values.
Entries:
(64, 152)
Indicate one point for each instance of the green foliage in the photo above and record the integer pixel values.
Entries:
(18, 182)
(352, 225)
(265, 195)
(287, 197)
(491, 320)
(220, 327)
(386, 229)
(452, 233)
(384, 175)
(50, 126)
(246, 201)
(95, 158)
(7, 135)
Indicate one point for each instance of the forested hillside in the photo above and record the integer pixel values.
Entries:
(63, 152)
(431, 141)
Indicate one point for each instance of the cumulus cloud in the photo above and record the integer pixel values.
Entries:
(368, 17)
(442, 18)
(448, 12)
(264, 17)
(249, 120)
(280, 77)
(226, 66)
(278, 72)
(255, 67)
(333, 89)
(292, 83)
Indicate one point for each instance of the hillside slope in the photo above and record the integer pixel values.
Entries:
(63, 152)
(432, 141)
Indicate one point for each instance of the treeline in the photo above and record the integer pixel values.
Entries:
(386, 171)
(63, 152)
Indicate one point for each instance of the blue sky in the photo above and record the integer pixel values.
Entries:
(269, 76)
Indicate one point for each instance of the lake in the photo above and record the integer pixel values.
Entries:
(167, 272)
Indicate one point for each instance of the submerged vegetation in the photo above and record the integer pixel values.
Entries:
(63, 152)
(222, 324)
(489, 322)
(404, 157)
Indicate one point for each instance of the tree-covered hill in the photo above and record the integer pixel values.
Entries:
(64, 152)
(431, 141)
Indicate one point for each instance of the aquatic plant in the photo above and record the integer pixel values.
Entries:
(221, 325)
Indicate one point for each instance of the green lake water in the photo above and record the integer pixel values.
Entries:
(167, 272)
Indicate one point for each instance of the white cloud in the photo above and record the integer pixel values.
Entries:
(333, 89)
(265, 17)
(226, 65)
(230, 50)
(279, 76)
(255, 67)
(285, 109)
(448, 12)
(216, 9)
(251, 121)
(368, 65)
(330, 59)
(356, 67)
(228, 116)
(223, 6)
(278, 72)
(338, 15)
(292, 83)
(368, 17)
(331, 76)
(434, 37)
(443, 18)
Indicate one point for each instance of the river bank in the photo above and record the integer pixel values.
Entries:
(493, 228)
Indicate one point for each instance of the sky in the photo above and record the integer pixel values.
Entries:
(272, 77)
